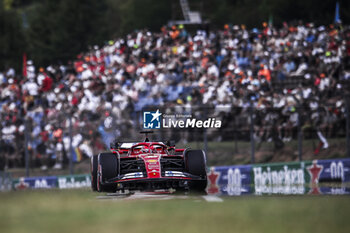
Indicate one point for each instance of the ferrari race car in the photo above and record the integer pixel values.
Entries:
(148, 166)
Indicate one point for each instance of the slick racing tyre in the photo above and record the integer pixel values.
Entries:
(93, 169)
(107, 168)
(195, 162)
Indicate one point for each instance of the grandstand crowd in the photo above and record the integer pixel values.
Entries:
(296, 68)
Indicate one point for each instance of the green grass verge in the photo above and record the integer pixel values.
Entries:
(79, 211)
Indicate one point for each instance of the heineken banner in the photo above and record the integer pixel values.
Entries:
(280, 178)
(283, 178)
(300, 177)
(62, 182)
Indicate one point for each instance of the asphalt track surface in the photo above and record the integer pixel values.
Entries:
(161, 195)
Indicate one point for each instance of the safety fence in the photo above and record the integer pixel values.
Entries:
(249, 134)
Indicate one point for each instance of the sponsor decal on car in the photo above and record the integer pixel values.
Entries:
(174, 174)
(152, 160)
(133, 175)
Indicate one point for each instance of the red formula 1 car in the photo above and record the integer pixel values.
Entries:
(148, 166)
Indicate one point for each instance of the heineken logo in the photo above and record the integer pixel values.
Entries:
(284, 176)
(283, 181)
(72, 182)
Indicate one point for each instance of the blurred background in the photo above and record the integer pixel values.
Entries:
(75, 75)
(56, 32)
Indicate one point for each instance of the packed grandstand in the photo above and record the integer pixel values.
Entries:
(296, 68)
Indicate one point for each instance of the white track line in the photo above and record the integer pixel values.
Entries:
(212, 198)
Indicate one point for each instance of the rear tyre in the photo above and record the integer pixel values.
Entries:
(93, 169)
(107, 168)
(195, 162)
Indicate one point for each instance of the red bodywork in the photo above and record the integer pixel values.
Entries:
(149, 166)
(151, 154)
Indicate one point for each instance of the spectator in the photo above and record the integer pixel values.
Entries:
(104, 88)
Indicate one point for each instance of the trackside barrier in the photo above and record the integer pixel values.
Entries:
(5, 181)
(274, 178)
(281, 178)
(230, 180)
(62, 182)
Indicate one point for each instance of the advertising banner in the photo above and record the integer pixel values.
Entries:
(229, 180)
(35, 183)
(325, 172)
(62, 182)
(307, 177)
(300, 177)
(334, 170)
(280, 178)
(74, 181)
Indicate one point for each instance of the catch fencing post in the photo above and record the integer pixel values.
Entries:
(300, 134)
(205, 141)
(26, 146)
(71, 166)
(347, 105)
(252, 142)
(235, 135)
(205, 137)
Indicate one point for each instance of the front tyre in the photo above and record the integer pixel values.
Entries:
(107, 168)
(195, 162)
